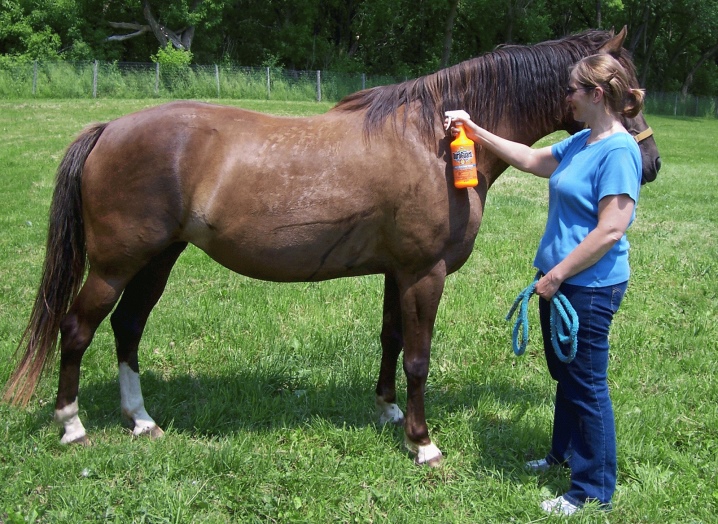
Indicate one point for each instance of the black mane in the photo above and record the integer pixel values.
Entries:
(523, 84)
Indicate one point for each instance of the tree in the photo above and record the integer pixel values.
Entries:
(448, 32)
(410, 37)
(37, 29)
(673, 41)
(184, 15)
(707, 54)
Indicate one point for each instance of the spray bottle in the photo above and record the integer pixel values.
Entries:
(463, 155)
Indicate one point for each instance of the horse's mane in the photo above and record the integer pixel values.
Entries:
(521, 83)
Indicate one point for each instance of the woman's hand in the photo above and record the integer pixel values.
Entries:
(463, 118)
(547, 286)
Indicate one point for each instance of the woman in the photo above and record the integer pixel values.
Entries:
(594, 180)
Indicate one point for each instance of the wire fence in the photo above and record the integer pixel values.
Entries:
(148, 80)
(677, 104)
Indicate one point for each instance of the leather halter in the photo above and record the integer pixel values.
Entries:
(643, 135)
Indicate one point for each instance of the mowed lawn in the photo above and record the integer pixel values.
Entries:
(265, 390)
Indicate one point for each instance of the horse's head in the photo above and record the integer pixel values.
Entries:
(650, 157)
(637, 126)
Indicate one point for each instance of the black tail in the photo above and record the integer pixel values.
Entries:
(63, 271)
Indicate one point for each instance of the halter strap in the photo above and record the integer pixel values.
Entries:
(643, 134)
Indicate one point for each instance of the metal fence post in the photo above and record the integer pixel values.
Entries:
(268, 83)
(157, 78)
(34, 78)
(94, 80)
(216, 75)
(363, 81)
(319, 85)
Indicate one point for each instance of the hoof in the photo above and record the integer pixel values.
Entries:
(152, 433)
(156, 432)
(433, 463)
(79, 441)
(426, 455)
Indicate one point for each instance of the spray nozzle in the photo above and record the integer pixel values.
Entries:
(454, 114)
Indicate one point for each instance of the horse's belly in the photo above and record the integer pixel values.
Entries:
(292, 252)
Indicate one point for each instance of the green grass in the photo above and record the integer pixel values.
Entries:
(266, 390)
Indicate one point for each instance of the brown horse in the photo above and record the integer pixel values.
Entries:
(365, 188)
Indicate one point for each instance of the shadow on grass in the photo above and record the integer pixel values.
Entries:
(265, 400)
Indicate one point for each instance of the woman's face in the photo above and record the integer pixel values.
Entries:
(578, 98)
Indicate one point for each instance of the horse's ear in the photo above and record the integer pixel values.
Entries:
(614, 45)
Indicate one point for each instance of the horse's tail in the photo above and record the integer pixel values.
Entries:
(63, 271)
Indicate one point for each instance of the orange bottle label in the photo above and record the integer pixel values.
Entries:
(463, 160)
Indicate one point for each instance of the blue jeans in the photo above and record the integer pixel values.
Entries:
(584, 431)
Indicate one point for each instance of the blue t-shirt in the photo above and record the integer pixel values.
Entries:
(586, 174)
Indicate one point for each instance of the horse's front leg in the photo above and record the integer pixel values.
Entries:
(420, 296)
(391, 343)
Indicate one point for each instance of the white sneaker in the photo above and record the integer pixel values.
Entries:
(559, 505)
(539, 465)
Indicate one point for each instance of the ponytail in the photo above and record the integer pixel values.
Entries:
(633, 103)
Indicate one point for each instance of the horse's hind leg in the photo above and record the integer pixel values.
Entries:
(128, 323)
(391, 344)
(92, 304)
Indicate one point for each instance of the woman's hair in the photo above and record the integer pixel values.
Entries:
(605, 71)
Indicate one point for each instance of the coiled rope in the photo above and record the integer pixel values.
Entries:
(564, 323)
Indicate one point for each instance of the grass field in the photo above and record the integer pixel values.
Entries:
(265, 390)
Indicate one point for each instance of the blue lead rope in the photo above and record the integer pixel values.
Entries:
(564, 323)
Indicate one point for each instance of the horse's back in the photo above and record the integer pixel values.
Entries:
(272, 197)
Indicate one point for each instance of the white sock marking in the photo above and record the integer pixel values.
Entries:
(427, 453)
(131, 401)
(389, 412)
(68, 418)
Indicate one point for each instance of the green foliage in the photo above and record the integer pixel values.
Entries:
(80, 51)
(172, 58)
(43, 45)
(26, 36)
(404, 38)
(271, 60)
(38, 29)
(14, 29)
(175, 71)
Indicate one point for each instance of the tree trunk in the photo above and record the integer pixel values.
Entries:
(689, 78)
(449, 33)
(651, 35)
(641, 30)
(181, 39)
(676, 53)
(510, 14)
